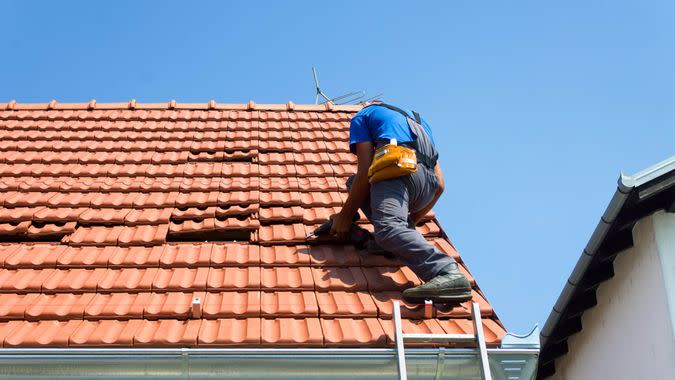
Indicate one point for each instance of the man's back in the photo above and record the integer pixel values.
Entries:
(375, 123)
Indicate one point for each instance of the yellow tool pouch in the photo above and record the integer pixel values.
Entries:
(391, 161)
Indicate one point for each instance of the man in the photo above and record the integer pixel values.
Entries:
(395, 205)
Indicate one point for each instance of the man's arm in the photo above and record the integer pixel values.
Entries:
(358, 193)
(420, 214)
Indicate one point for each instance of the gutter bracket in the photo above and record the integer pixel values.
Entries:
(440, 363)
(185, 363)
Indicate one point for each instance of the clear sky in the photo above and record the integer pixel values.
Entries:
(536, 106)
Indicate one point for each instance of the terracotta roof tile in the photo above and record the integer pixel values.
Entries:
(127, 280)
(390, 278)
(41, 334)
(289, 304)
(230, 254)
(351, 278)
(166, 305)
(232, 304)
(282, 255)
(353, 332)
(104, 333)
(334, 256)
(58, 306)
(230, 278)
(167, 332)
(180, 279)
(292, 332)
(346, 304)
(173, 224)
(230, 332)
(280, 233)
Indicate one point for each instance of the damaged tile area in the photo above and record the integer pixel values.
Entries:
(163, 226)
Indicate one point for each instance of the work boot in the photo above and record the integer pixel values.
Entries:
(374, 249)
(449, 286)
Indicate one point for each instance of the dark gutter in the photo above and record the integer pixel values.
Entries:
(636, 197)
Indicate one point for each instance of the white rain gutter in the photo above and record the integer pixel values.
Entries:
(260, 363)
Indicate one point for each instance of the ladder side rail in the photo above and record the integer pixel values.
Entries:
(400, 348)
(480, 337)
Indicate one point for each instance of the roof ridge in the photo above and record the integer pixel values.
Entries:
(173, 105)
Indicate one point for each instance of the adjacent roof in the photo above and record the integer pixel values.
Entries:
(183, 225)
(636, 196)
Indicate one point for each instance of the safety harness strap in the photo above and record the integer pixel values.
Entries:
(422, 157)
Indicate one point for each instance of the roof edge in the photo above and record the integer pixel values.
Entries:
(173, 105)
(625, 187)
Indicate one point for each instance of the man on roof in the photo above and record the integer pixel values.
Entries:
(395, 205)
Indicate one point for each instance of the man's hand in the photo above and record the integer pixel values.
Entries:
(341, 226)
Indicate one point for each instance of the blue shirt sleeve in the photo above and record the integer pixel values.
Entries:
(358, 130)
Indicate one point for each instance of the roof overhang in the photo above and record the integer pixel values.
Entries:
(636, 197)
(255, 363)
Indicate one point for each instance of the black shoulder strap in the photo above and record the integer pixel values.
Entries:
(416, 115)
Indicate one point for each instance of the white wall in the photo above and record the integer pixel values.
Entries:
(629, 334)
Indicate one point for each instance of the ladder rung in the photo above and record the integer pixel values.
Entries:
(438, 338)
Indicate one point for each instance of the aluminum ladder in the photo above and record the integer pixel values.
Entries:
(478, 337)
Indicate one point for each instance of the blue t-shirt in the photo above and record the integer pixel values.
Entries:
(380, 123)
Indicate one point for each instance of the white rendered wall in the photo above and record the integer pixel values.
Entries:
(629, 334)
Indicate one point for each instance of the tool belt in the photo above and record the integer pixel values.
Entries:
(391, 161)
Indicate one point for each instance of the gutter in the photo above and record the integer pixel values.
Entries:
(260, 363)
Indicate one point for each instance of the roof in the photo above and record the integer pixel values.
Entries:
(636, 196)
(183, 225)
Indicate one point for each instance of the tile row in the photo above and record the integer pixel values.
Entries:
(189, 169)
(97, 200)
(185, 115)
(285, 145)
(248, 229)
(279, 332)
(45, 255)
(172, 157)
(178, 183)
(106, 280)
(64, 134)
(227, 304)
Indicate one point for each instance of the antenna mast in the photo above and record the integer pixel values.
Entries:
(351, 97)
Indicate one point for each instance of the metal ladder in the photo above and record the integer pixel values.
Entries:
(478, 337)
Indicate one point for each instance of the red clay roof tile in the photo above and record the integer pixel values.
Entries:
(58, 306)
(346, 304)
(282, 255)
(117, 306)
(289, 304)
(230, 254)
(167, 305)
(353, 332)
(230, 332)
(329, 279)
(232, 304)
(104, 333)
(230, 278)
(291, 332)
(167, 332)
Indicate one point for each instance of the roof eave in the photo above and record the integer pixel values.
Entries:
(642, 185)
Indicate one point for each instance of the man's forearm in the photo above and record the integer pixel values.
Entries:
(357, 195)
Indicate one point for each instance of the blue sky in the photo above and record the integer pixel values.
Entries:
(536, 106)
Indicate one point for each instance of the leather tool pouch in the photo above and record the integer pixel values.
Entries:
(391, 161)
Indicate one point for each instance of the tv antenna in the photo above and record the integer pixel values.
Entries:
(354, 97)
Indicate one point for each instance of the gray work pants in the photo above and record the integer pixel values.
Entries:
(388, 207)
